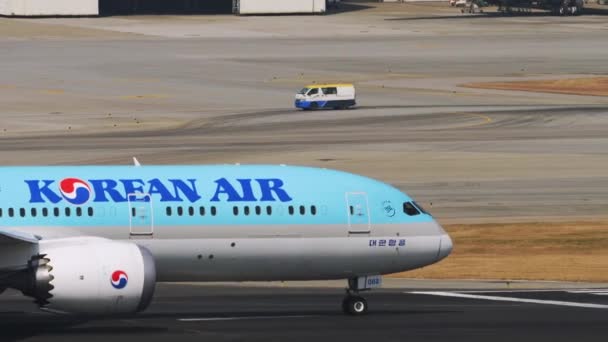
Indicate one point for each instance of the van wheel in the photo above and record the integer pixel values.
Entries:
(314, 105)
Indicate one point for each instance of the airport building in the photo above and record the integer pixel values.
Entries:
(27, 8)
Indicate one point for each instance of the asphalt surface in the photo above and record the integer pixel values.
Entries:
(233, 313)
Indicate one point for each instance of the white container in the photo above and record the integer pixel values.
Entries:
(34, 8)
(245, 7)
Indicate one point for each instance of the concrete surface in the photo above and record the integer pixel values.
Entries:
(219, 89)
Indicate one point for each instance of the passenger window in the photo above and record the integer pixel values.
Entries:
(56, 211)
(352, 210)
(89, 211)
(68, 212)
(133, 212)
(34, 212)
(180, 211)
(0, 212)
(246, 209)
(330, 91)
(258, 210)
(290, 210)
(213, 211)
(11, 212)
(22, 212)
(45, 212)
(168, 210)
(235, 210)
(313, 91)
(201, 211)
(313, 210)
(268, 210)
(409, 209)
(191, 211)
(302, 210)
(78, 211)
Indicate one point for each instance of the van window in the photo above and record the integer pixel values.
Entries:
(313, 91)
(330, 91)
(303, 91)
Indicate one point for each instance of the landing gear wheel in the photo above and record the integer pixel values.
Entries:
(354, 305)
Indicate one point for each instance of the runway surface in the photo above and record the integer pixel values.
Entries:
(200, 89)
(233, 313)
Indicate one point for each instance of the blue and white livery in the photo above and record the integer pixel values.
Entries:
(96, 239)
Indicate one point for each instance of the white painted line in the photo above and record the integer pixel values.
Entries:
(511, 299)
(537, 291)
(207, 319)
(589, 291)
(508, 291)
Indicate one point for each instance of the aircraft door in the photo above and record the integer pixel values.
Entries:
(141, 215)
(357, 209)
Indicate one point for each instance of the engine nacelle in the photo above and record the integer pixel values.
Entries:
(92, 276)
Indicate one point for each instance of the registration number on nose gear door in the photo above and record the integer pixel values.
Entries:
(369, 282)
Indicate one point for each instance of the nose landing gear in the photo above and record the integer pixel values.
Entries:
(354, 304)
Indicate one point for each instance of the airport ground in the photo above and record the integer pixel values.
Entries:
(517, 177)
(229, 313)
(219, 89)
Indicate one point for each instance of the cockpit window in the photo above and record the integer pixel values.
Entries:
(409, 209)
(421, 208)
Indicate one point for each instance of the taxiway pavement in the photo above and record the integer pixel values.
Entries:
(236, 313)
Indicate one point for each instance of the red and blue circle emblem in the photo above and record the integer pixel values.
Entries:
(119, 279)
(75, 191)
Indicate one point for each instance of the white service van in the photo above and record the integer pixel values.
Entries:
(337, 96)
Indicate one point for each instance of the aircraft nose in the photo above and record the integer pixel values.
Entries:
(445, 247)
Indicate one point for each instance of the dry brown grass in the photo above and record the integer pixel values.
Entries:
(596, 86)
(32, 29)
(570, 251)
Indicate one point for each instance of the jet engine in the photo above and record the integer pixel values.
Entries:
(91, 276)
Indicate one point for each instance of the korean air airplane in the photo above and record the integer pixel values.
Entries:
(94, 240)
